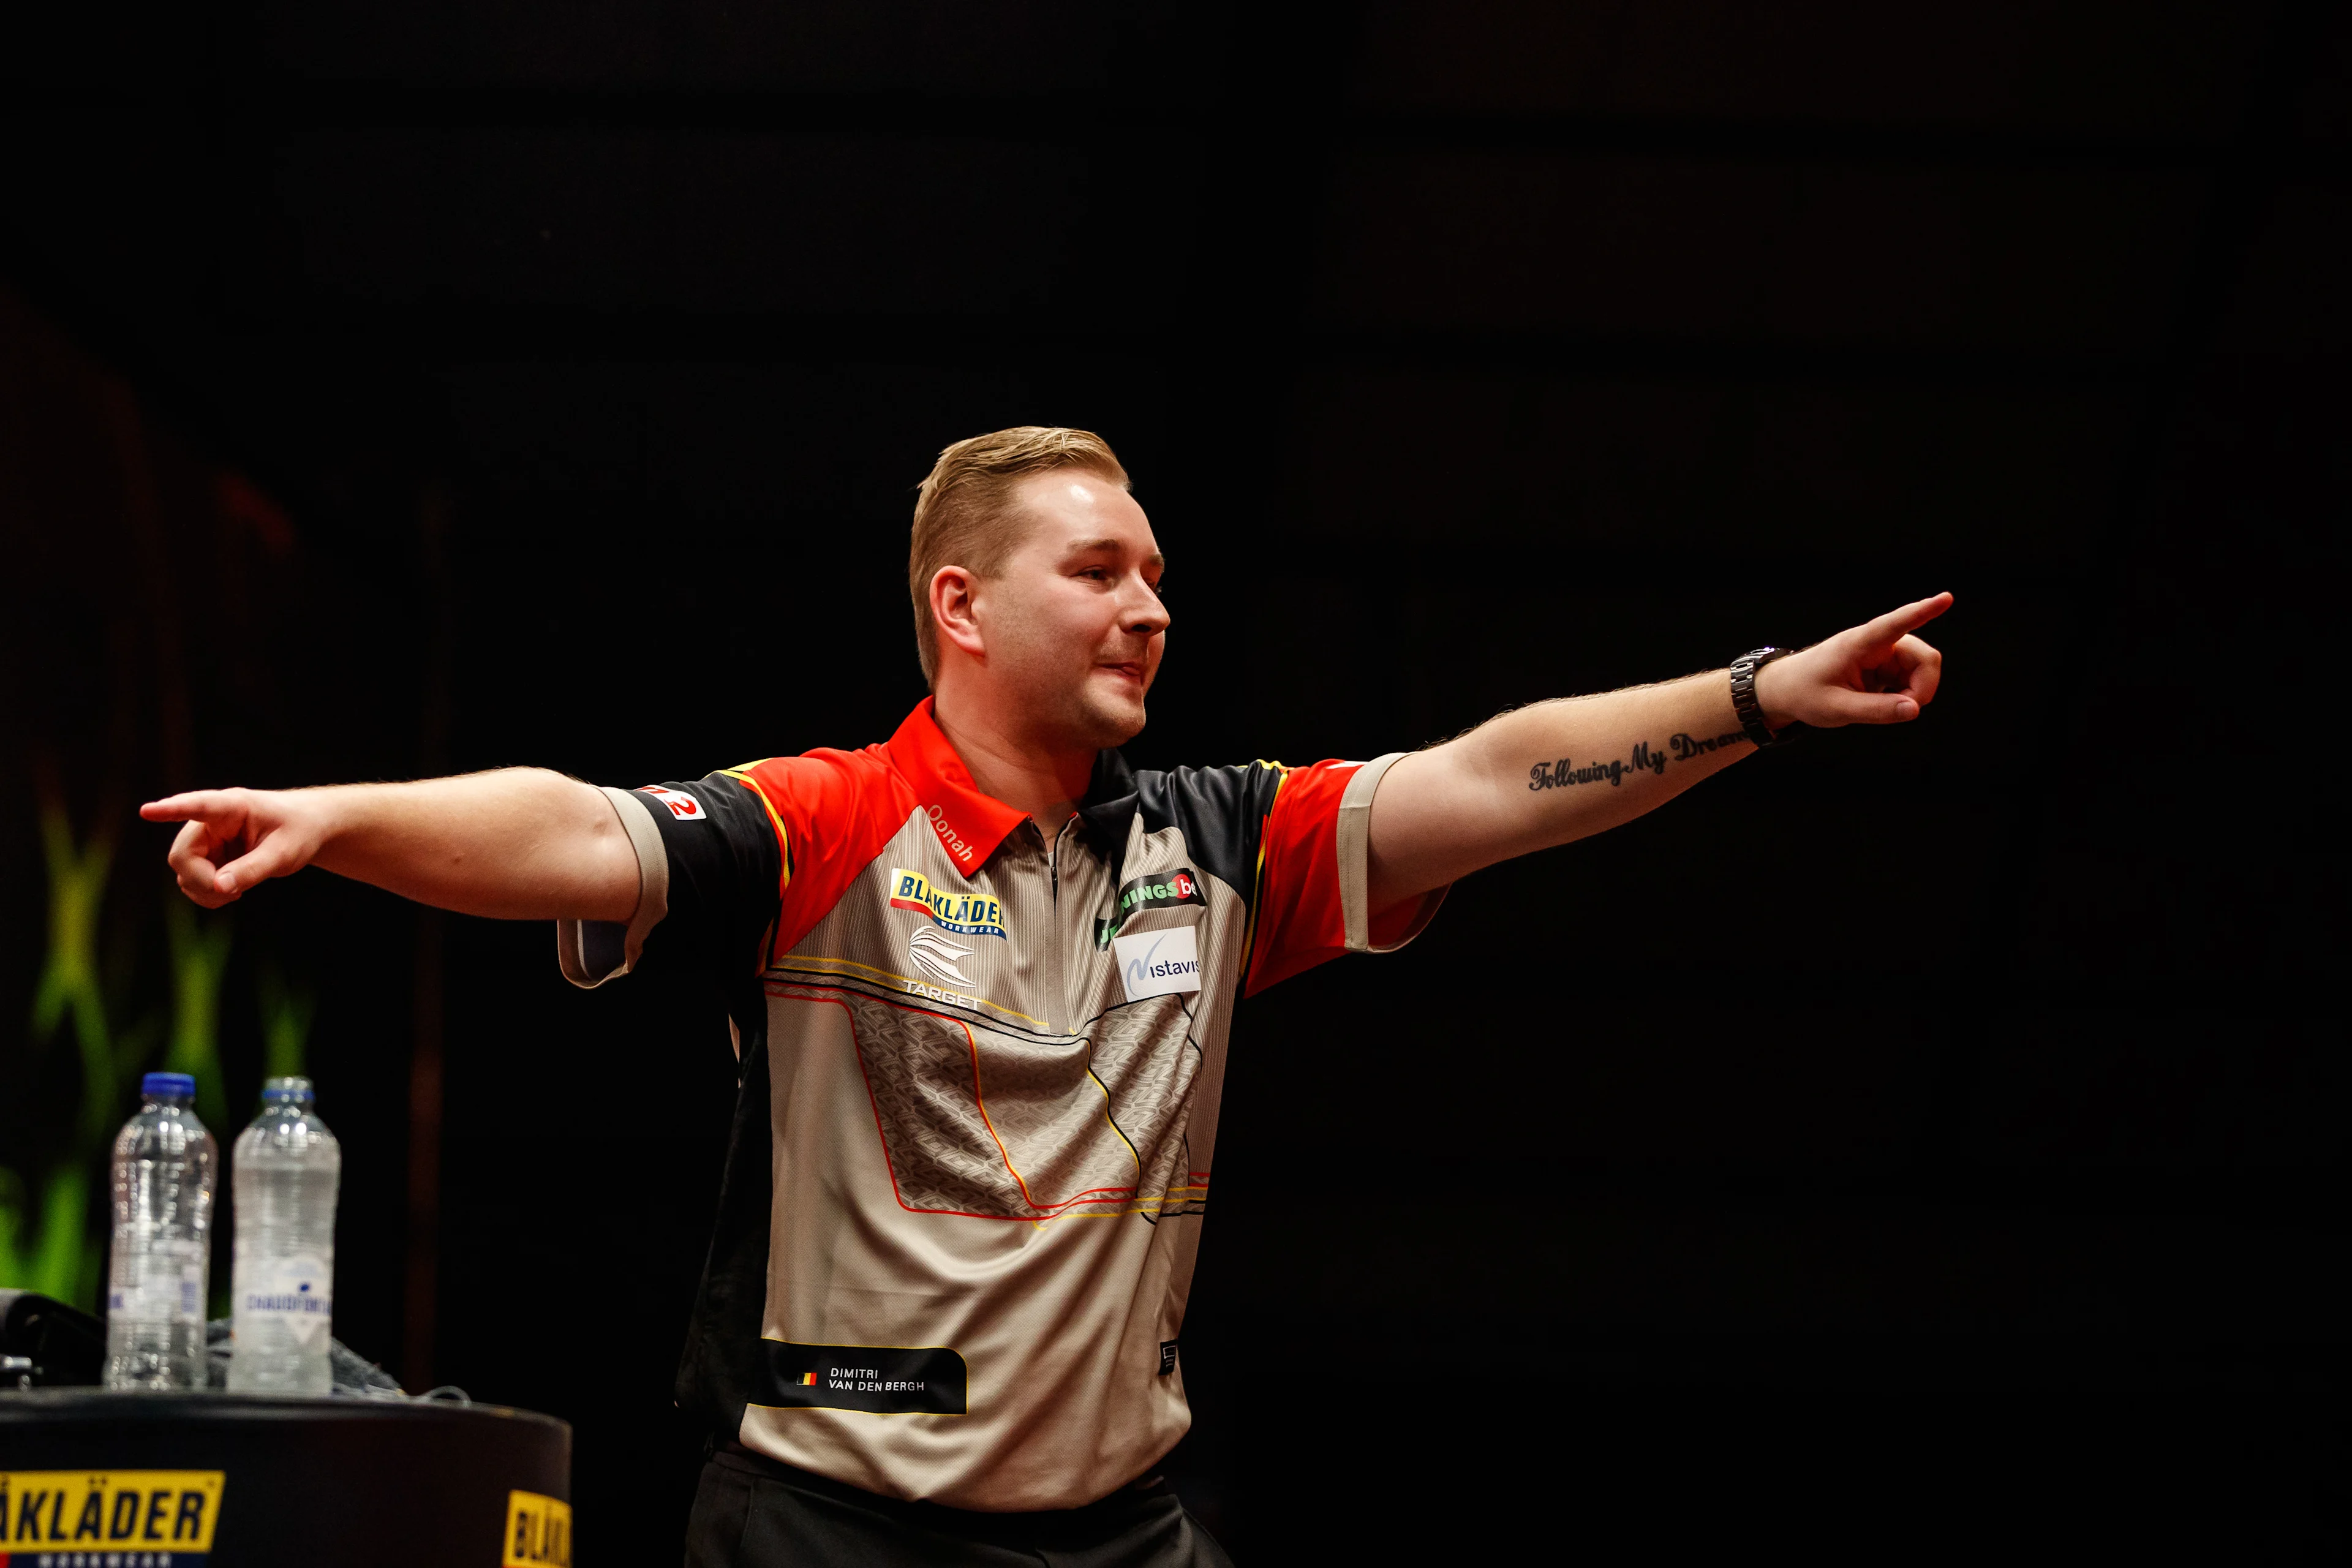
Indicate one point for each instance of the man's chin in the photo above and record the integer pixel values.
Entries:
(1112, 721)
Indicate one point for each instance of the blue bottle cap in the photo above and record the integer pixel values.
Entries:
(156, 1084)
(280, 1090)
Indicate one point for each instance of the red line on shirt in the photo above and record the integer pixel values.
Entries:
(881, 1136)
(981, 1100)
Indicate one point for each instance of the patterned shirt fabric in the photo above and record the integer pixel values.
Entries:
(980, 1070)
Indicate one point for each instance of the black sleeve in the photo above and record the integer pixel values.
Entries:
(708, 864)
(1221, 813)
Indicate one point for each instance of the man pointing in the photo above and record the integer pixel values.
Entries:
(980, 978)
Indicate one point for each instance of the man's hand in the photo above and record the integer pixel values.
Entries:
(235, 838)
(1877, 673)
(517, 844)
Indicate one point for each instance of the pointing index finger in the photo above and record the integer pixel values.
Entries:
(1888, 627)
(192, 804)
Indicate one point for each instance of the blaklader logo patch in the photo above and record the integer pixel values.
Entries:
(967, 914)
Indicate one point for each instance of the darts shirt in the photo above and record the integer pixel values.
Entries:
(980, 1067)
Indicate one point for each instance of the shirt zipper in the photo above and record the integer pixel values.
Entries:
(1054, 876)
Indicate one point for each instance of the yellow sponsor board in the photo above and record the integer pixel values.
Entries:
(128, 1511)
(538, 1531)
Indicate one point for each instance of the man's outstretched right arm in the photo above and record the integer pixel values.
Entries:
(517, 844)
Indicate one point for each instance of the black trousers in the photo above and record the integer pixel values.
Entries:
(752, 1512)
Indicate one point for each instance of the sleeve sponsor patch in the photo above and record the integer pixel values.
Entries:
(682, 805)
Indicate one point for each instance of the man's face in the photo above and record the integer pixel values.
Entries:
(1074, 624)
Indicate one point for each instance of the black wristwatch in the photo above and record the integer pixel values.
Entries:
(1743, 696)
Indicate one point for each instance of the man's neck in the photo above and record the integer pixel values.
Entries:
(1043, 784)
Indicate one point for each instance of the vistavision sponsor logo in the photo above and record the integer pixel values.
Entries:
(967, 914)
(1158, 962)
(1157, 968)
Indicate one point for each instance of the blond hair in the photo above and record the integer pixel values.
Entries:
(961, 513)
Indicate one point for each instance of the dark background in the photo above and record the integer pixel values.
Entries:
(1916, 1140)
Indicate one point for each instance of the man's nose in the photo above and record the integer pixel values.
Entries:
(1147, 614)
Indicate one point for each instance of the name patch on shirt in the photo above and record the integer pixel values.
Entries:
(888, 1380)
(1156, 963)
(968, 914)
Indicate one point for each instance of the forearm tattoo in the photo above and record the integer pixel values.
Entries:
(1681, 748)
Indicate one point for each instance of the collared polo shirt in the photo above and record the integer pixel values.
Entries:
(980, 1070)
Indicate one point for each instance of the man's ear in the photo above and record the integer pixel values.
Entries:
(955, 593)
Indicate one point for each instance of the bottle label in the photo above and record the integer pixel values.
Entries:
(166, 1286)
(296, 1291)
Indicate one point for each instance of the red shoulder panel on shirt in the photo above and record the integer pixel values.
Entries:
(1298, 922)
(832, 811)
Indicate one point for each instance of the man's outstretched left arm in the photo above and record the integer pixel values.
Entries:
(1544, 774)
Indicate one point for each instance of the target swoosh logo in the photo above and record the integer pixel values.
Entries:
(935, 952)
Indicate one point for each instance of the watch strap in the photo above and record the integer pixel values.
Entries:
(1750, 711)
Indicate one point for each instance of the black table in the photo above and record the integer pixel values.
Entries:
(92, 1479)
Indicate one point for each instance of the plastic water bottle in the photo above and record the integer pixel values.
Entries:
(162, 1261)
(282, 1285)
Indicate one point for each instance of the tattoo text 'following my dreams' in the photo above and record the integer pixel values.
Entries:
(1564, 773)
